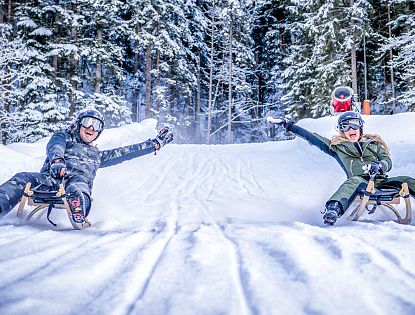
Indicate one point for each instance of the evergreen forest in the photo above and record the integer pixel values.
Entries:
(209, 69)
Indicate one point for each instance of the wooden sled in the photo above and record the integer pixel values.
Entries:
(46, 199)
(371, 198)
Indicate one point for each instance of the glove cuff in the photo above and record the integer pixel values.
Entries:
(288, 124)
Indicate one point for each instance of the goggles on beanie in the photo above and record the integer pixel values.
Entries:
(96, 124)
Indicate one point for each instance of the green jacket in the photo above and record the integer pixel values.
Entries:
(353, 157)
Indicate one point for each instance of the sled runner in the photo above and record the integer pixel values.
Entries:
(42, 197)
(370, 198)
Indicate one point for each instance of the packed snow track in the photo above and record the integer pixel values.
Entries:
(225, 229)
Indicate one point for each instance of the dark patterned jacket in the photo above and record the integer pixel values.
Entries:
(83, 160)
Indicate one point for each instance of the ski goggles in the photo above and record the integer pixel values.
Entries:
(348, 126)
(96, 124)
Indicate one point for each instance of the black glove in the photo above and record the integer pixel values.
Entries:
(165, 136)
(57, 168)
(376, 168)
(280, 121)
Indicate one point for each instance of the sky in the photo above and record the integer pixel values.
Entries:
(219, 229)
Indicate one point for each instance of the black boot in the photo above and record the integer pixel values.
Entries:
(333, 210)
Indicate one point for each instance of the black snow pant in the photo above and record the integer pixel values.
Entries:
(12, 190)
(348, 191)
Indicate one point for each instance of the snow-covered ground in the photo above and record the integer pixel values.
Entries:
(225, 229)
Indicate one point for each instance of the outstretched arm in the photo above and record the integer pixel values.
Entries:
(119, 155)
(122, 154)
(314, 139)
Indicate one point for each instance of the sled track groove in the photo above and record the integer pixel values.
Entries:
(42, 266)
(239, 277)
(242, 277)
(132, 304)
(130, 264)
(61, 260)
(388, 260)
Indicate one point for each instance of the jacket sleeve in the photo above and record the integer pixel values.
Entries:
(314, 139)
(121, 154)
(56, 146)
(384, 158)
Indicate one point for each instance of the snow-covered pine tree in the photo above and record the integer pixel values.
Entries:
(161, 38)
(327, 31)
(242, 115)
(175, 66)
(403, 47)
(100, 37)
(298, 73)
(199, 28)
(232, 65)
(40, 112)
(13, 70)
(269, 34)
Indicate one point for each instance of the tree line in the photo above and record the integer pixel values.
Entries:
(210, 69)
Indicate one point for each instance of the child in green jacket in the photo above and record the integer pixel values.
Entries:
(359, 154)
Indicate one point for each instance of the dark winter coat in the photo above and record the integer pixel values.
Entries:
(83, 160)
(353, 157)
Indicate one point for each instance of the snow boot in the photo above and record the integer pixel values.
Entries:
(333, 211)
(75, 203)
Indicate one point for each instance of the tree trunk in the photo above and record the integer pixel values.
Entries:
(1, 14)
(135, 102)
(229, 133)
(157, 83)
(198, 102)
(55, 57)
(385, 109)
(4, 126)
(391, 63)
(209, 126)
(73, 70)
(10, 12)
(353, 58)
(98, 70)
(411, 79)
(148, 81)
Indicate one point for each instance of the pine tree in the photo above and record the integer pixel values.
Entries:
(41, 112)
(232, 64)
(326, 34)
(298, 74)
(404, 46)
(99, 40)
(270, 43)
(13, 69)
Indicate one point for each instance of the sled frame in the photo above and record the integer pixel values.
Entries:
(365, 201)
(59, 201)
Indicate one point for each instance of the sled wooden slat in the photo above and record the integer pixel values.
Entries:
(365, 200)
(27, 198)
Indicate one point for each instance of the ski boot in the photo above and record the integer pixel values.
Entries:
(332, 212)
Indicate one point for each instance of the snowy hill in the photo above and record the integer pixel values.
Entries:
(225, 229)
